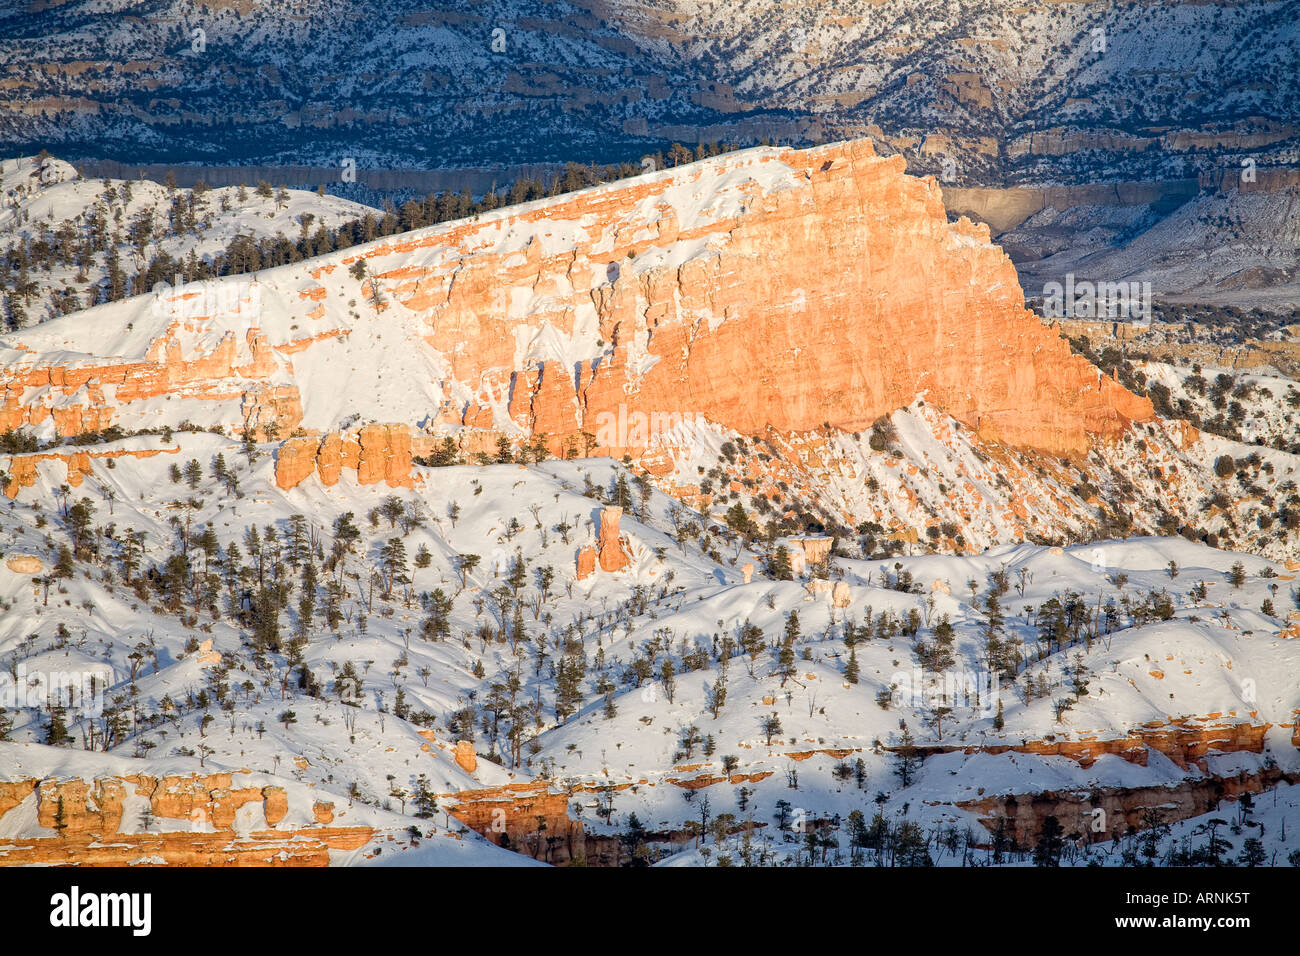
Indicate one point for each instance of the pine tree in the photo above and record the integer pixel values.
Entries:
(346, 533)
(770, 726)
(56, 731)
(738, 521)
(266, 621)
(717, 697)
(1001, 654)
(621, 496)
(517, 577)
(668, 678)
(306, 601)
(426, 802)
(1047, 852)
(465, 564)
(779, 564)
(570, 671)
(392, 560)
(1252, 852)
(943, 656)
(116, 277)
(851, 668)
(63, 566)
(297, 542)
(436, 626)
(81, 517)
(253, 545)
(907, 758)
(785, 654)
(392, 509)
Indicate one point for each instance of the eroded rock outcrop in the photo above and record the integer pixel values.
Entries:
(89, 392)
(610, 548)
(171, 820)
(1020, 817)
(1186, 741)
(465, 756)
(377, 453)
(758, 330)
(22, 469)
(528, 817)
(610, 552)
(808, 551)
(768, 288)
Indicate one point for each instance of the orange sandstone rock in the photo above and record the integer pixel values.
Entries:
(378, 453)
(88, 817)
(275, 804)
(23, 474)
(612, 555)
(511, 815)
(818, 586)
(385, 455)
(825, 286)
(465, 756)
(815, 550)
(295, 461)
(929, 306)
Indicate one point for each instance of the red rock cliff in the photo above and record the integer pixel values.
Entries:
(376, 452)
(832, 289)
(193, 824)
(766, 288)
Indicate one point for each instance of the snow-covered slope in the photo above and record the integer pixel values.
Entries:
(579, 317)
(70, 243)
(560, 680)
(353, 645)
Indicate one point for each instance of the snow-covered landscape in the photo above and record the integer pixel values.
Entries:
(685, 668)
(411, 662)
(748, 507)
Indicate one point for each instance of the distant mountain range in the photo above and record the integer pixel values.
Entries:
(979, 92)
